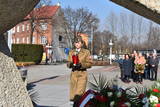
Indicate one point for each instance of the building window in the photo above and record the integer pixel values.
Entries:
(43, 39)
(23, 40)
(60, 38)
(23, 27)
(17, 28)
(43, 26)
(27, 40)
(27, 26)
(33, 40)
(17, 40)
(13, 30)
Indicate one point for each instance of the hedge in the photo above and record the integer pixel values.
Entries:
(27, 52)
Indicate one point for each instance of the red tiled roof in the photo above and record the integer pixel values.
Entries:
(43, 12)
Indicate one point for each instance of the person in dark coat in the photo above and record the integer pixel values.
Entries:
(133, 75)
(120, 62)
(127, 65)
(154, 61)
(147, 67)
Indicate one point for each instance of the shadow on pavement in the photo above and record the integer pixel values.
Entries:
(44, 106)
(30, 86)
(49, 78)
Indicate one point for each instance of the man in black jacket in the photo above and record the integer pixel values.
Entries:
(154, 61)
(147, 67)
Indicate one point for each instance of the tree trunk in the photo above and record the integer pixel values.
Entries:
(32, 30)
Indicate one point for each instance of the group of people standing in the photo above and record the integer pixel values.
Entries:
(138, 66)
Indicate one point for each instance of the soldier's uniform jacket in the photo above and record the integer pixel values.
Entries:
(84, 58)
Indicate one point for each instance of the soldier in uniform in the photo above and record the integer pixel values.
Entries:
(79, 60)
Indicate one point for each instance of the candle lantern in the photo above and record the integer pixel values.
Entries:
(75, 59)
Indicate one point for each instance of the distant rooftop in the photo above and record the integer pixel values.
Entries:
(44, 12)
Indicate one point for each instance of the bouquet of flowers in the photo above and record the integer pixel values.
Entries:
(154, 94)
(109, 94)
(105, 93)
(139, 68)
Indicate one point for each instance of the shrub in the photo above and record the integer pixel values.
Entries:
(27, 53)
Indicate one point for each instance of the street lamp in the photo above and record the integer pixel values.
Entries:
(110, 56)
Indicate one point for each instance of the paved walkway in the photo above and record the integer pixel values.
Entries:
(52, 82)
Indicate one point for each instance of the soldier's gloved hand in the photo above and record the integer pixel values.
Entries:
(71, 65)
(78, 66)
(74, 67)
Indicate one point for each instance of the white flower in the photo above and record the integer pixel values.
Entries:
(153, 99)
(157, 84)
(119, 94)
(109, 94)
(112, 104)
(128, 104)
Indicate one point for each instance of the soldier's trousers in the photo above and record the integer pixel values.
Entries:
(78, 82)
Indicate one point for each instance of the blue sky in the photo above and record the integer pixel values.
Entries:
(99, 7)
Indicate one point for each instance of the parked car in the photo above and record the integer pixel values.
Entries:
(95, 57)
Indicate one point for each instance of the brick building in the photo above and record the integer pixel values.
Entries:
(40, 28)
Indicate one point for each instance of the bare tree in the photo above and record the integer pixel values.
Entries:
(149, 34)
(134, 29)
(61, 25)
(154, 37)
(123, 25)
(132, 25)
(112, 22)
(101, 41)
(79, 21)
(139, 29)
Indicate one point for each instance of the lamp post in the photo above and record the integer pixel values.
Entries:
(110, 56)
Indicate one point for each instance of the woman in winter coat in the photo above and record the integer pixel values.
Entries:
(139, 67)
(127, 66)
